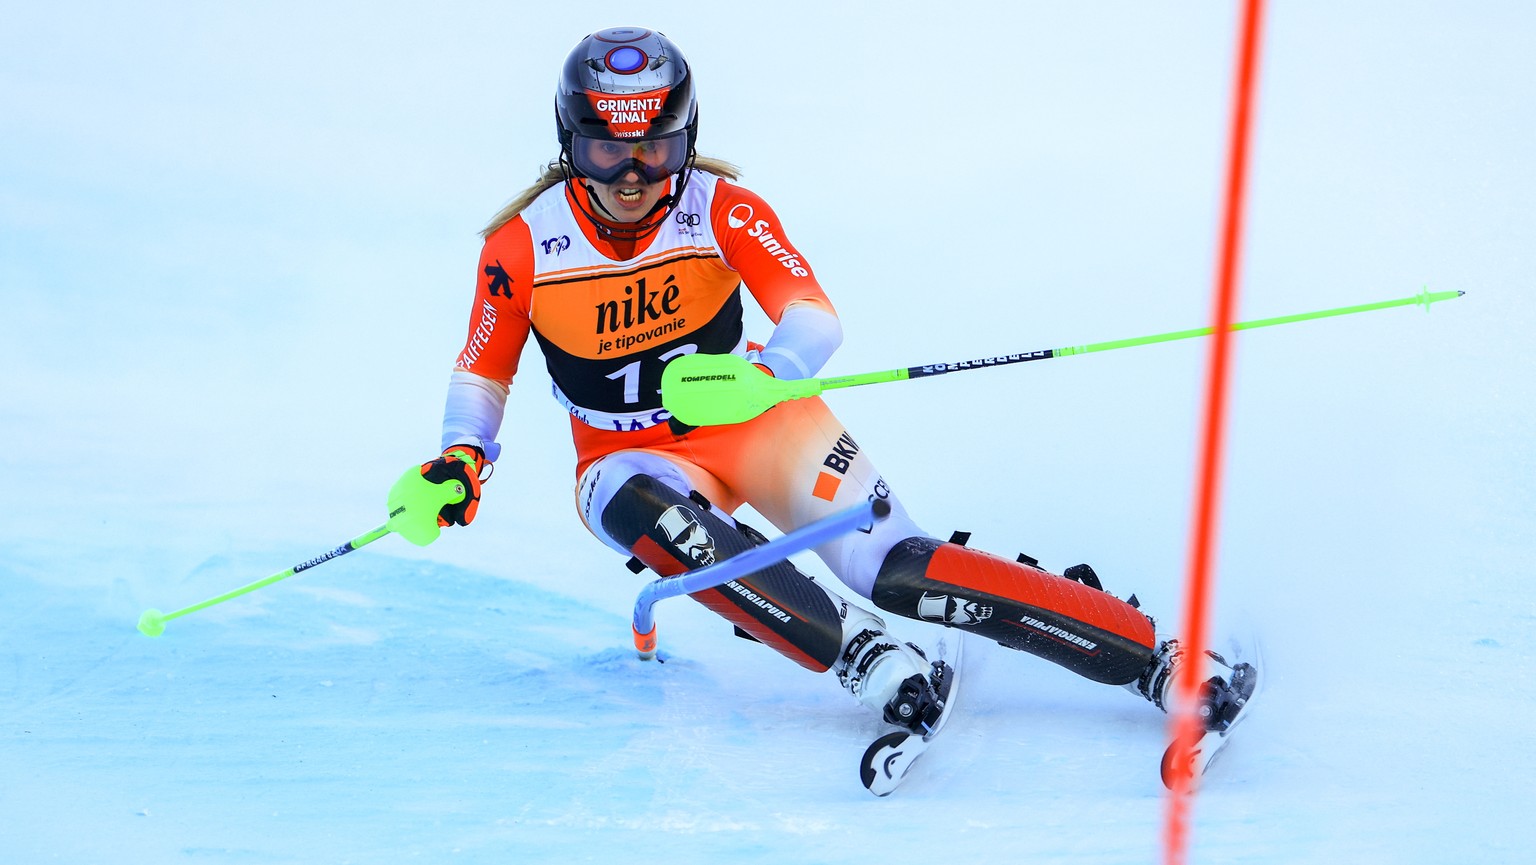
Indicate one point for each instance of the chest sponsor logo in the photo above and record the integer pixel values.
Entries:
(641, 314)
(556, 245)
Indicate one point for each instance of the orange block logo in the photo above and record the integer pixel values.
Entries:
(826, 486)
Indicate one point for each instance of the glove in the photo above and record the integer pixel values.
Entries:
(460, 463)
(755, 355)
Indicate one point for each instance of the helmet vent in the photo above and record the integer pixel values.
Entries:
(626, 60)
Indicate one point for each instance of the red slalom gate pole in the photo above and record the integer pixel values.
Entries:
(1184, 722)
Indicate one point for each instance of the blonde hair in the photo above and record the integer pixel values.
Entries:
(552, 173)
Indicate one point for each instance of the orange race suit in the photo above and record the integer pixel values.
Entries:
(608, 315)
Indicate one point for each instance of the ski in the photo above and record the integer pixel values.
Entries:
(889, 758)
(1246, 678)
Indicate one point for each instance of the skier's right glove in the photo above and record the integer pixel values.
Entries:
(462, 463)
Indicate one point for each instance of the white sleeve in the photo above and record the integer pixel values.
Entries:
(802, 343)
(473, 412)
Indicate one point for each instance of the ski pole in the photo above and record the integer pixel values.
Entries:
(152, 621)
(713, 389)
(413, 503)
(741, 564)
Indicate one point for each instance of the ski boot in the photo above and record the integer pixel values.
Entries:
(893, 679)
(899, 683)
(1224, 700)
(1223, 694)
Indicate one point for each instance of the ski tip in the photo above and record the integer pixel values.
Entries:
(886, 761)
(1179, 764)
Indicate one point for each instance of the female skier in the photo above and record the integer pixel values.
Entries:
(631, 250)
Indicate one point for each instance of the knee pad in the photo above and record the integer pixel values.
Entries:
(1086, 630)
(602, 480)
(778, 606)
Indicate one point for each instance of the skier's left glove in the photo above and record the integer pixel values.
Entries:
(755, 355)
(464, 463)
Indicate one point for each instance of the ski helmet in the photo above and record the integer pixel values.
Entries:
(625, 103)
(626, 83)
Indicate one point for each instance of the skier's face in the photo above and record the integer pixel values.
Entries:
(629, 198)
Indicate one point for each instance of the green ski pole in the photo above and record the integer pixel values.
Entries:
(152, 621)
(414, 503)
(713, 389)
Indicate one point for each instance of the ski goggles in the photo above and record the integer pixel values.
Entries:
(607, 160)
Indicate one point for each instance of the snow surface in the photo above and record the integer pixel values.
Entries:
(236, 257)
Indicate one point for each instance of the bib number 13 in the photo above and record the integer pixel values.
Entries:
(629, 374)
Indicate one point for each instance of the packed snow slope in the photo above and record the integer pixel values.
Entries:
(236, 255)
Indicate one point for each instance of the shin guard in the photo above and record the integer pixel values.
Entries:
(1088, 631)
(778, 606)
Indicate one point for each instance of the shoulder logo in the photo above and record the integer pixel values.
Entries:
(556, 245)
(740, 215)
(777, 248)
(500, 283)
